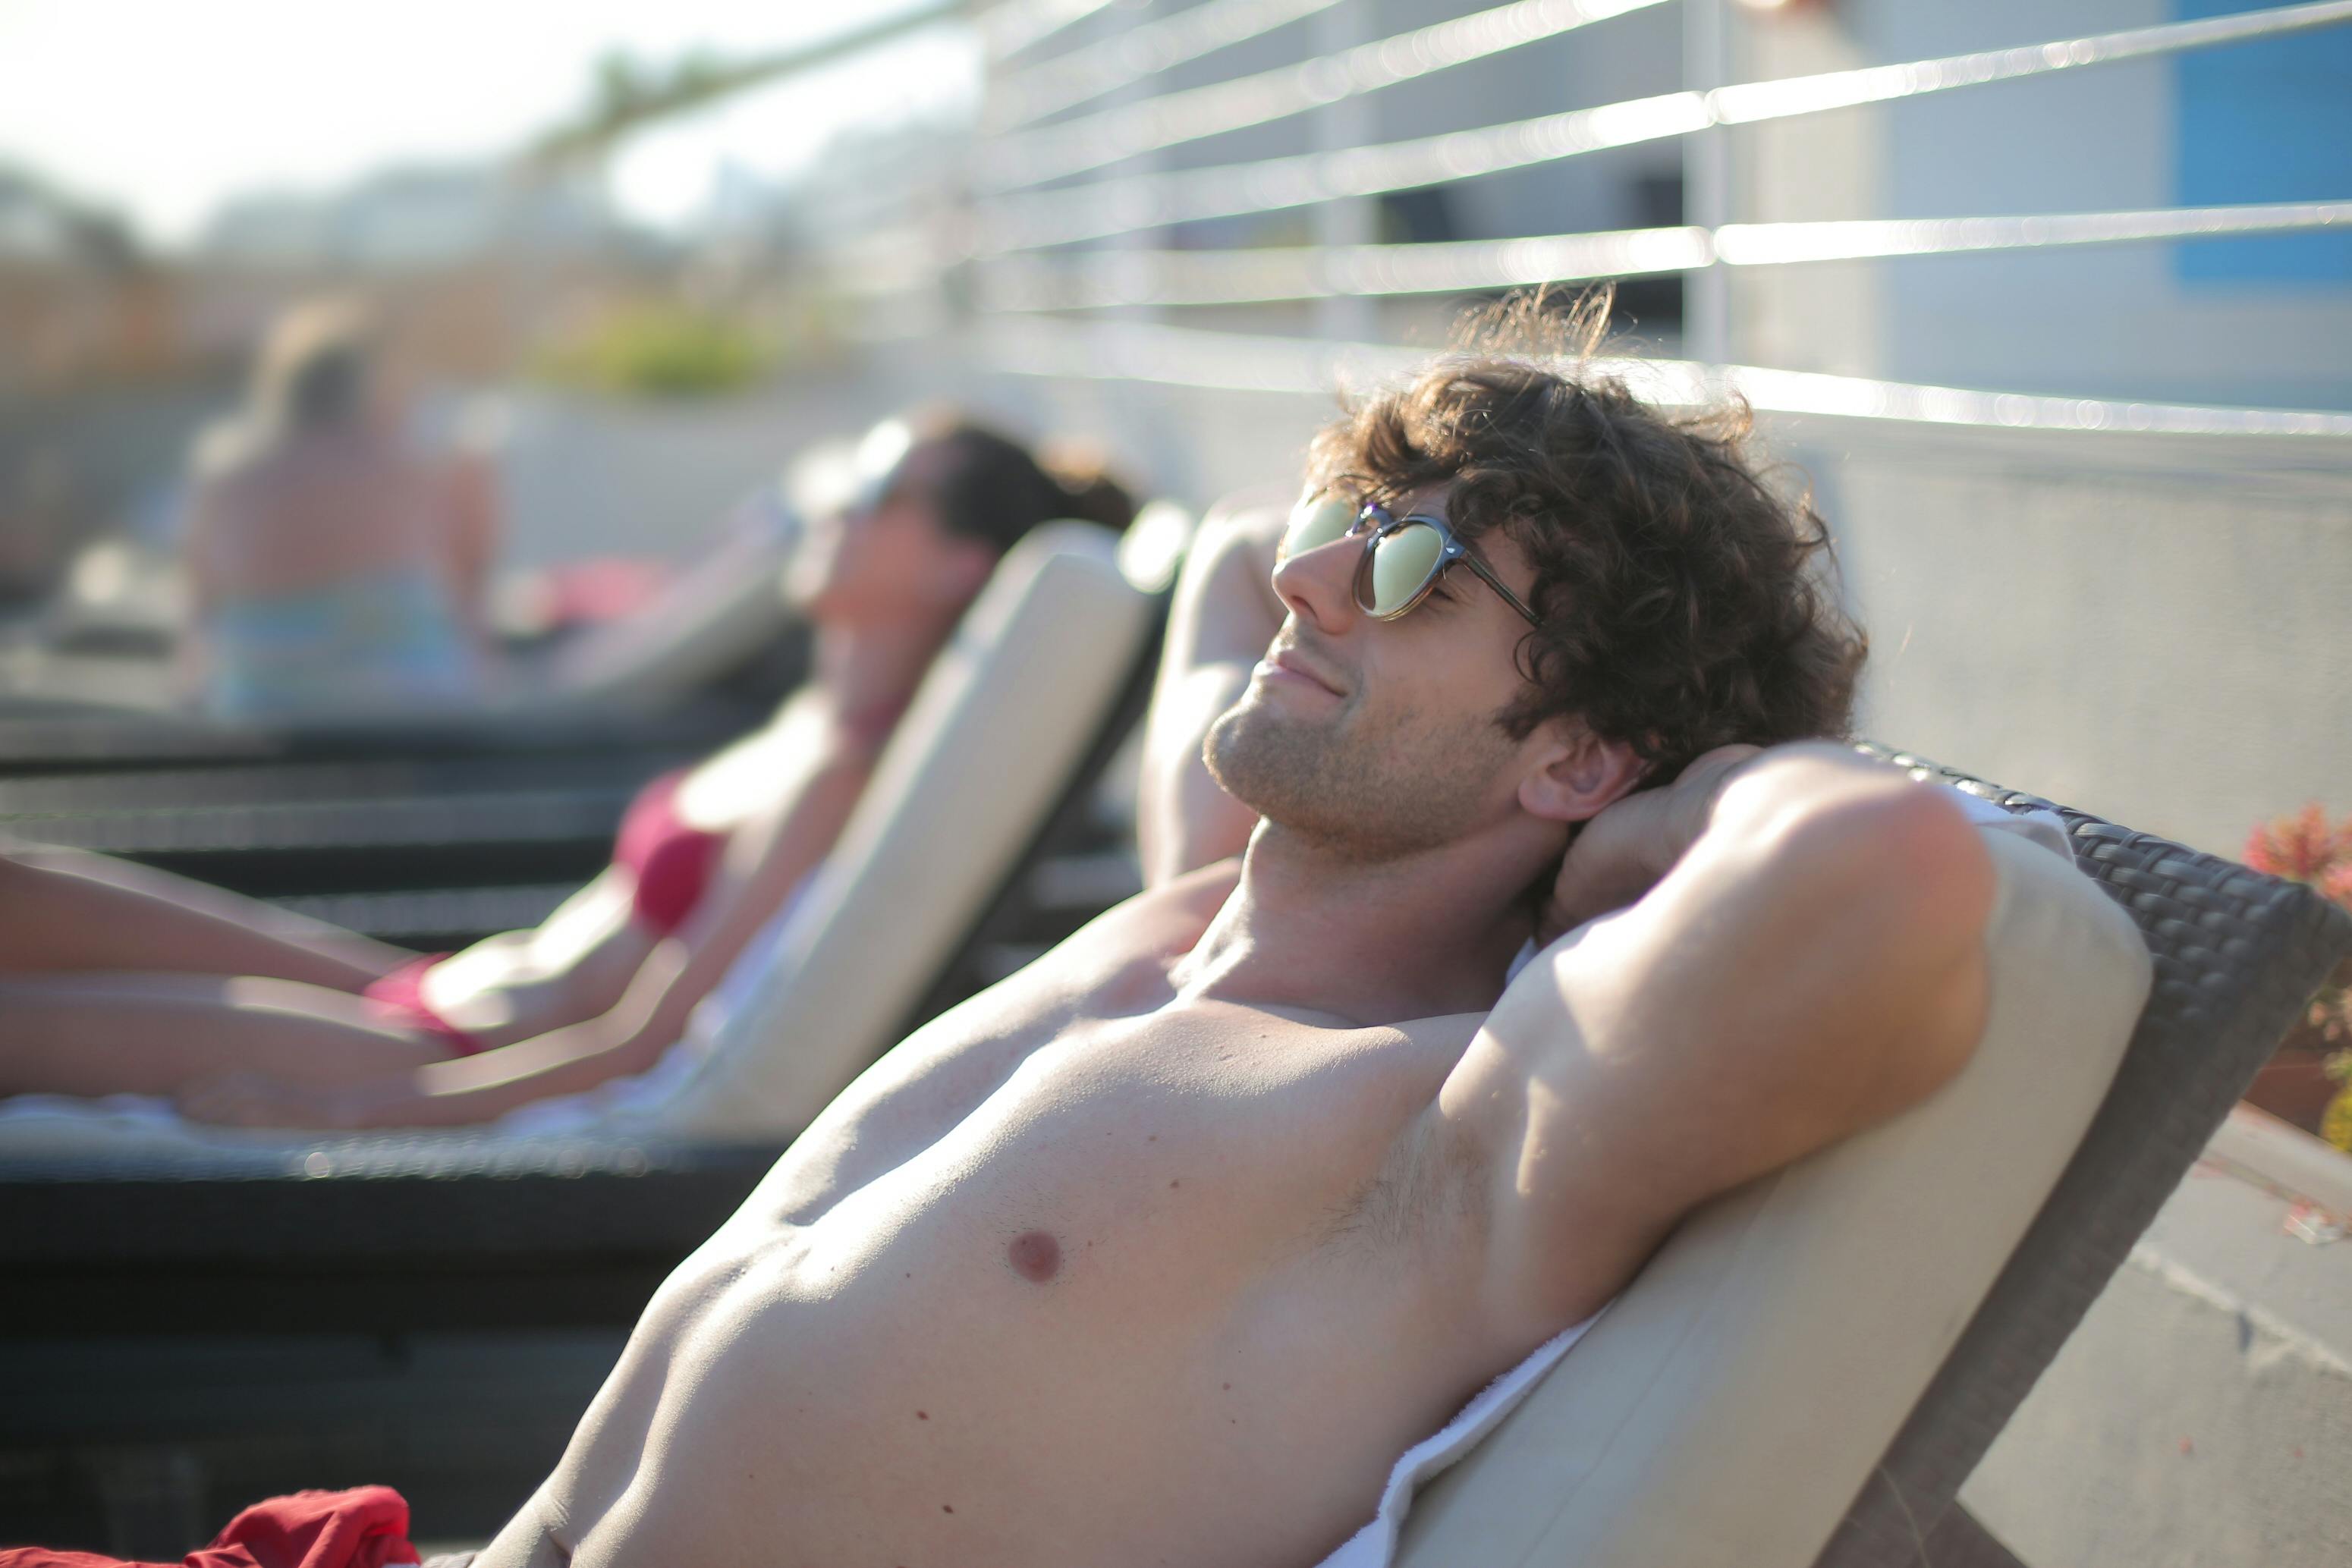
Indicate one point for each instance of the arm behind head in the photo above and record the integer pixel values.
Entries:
(1224, 614)
(1813, 965)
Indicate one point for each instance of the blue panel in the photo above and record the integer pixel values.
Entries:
(2265, 121)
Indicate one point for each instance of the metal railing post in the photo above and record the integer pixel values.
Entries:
(1346, 220)
(1706, 183)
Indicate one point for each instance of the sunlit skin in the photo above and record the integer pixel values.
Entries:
(1245, 1188)
(305, 509)
(119, 980)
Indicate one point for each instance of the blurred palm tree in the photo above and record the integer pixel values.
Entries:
(628, 94)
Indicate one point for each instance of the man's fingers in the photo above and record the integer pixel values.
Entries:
(1621, 852)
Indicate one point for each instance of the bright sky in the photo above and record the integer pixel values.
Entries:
(163, 108)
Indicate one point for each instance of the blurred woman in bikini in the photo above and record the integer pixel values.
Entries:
(121, 980)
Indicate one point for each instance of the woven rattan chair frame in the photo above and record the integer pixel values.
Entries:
(2237, 957)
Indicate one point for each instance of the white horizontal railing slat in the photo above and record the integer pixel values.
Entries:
(1104, 208)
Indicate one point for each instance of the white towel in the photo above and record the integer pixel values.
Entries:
(1375, 1544)
(2041, 825)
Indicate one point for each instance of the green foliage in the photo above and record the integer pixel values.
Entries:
(662, 351)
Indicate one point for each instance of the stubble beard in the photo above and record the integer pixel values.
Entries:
(1362, 789)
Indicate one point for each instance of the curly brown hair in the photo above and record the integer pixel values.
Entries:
(1685, 604)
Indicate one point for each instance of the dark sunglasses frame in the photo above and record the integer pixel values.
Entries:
(1375, 522)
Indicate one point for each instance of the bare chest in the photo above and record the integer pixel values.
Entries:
(1229, 1135)
(1148, 1247)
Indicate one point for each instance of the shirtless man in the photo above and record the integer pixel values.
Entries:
(1162, 1251)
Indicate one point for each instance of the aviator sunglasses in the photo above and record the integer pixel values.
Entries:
(1403, 557)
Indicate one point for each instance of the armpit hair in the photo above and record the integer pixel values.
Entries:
(1429, 1187)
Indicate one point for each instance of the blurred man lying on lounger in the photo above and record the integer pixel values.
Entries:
(1163, 1250)
(116, 979)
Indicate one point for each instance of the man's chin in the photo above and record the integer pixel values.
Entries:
(1270, 761)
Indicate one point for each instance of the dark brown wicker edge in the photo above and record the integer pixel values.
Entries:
(34, 744)
(2237, 957)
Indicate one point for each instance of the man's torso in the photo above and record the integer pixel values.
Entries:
(1082, 1273)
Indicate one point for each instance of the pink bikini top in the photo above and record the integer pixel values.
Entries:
(671, 859)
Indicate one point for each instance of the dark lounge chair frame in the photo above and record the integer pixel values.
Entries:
(424, 834)
(38, 742)
(433, 852)
(2237, 955)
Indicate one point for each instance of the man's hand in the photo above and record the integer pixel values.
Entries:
(1620, 854)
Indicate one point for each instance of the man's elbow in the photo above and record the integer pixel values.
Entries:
(1927, 882)
(1946, 871)
(1907, 850)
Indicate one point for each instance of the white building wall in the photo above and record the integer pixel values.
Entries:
(2108, 321)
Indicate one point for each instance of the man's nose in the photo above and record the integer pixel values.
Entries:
(1318, 585)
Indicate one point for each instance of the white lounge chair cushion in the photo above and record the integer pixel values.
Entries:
(984, 754)
(1732, 1401)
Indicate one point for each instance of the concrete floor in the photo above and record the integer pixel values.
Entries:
(2202, 1416)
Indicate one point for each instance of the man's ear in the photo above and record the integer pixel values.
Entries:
(1575, 775)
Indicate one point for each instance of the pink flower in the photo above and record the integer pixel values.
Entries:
(2302, 848)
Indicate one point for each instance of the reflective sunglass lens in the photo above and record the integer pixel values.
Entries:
(1401, 562)
(1316, 522)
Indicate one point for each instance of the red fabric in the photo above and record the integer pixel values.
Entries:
(366, 1527)
(604, 588)
(399, 999)
(673, 862)
(587, 593)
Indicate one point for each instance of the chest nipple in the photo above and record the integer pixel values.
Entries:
(1035, 1256)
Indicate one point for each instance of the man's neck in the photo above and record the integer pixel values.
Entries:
(1374, 942)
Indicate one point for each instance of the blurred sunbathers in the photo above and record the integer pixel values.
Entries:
(249, 1022)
